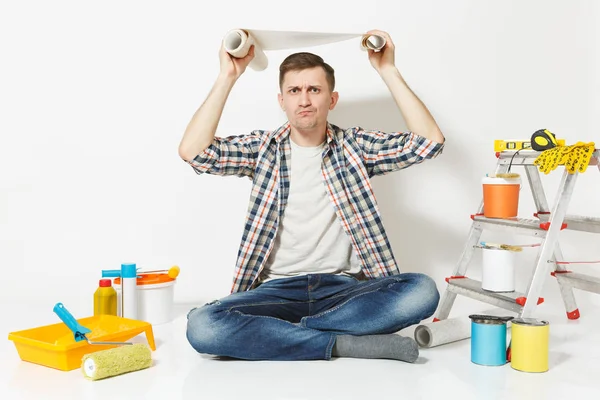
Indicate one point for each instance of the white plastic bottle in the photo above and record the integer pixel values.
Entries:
(129, 296)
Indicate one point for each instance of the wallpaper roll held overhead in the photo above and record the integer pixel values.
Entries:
(237, 42)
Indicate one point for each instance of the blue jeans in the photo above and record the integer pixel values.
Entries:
(298, 318)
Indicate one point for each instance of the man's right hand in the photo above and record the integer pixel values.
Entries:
(233, 67)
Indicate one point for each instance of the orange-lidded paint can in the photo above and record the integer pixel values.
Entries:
(501, 196)
(155, 297)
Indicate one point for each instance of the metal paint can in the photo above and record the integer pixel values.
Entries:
(529, 345)
(488, 339)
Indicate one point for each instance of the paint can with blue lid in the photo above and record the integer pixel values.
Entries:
(488, 339)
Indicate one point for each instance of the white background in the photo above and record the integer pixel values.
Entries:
(94, 99)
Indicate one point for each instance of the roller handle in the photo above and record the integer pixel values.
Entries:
(71, 322)
(111, 273)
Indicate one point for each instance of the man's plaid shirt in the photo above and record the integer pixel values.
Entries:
(350, 158)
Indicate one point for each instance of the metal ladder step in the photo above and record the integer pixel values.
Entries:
(537, 227)
(523, 226)
(577, 223)
(579, 281)
(468, 287)
(528, 158)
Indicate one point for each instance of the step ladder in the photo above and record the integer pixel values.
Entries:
(546, 225)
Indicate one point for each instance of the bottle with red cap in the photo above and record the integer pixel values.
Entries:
(105, 299)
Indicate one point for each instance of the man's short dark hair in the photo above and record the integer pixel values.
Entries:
(301, 61)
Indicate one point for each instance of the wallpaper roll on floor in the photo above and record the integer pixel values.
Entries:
(452, 329)
(443, 332)
(237, 42)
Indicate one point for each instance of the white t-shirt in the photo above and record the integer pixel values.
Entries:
(310, 238)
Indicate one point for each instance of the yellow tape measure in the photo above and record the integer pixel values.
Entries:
(543, 139)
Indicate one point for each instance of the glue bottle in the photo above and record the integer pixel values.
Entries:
(129, 303)
(105, 298)
(128, 296)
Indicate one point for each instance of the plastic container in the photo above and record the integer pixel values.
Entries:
(54, 346)
(105, 299)
(501, 197)
(155, 299)
(127, 308)
(498, 270)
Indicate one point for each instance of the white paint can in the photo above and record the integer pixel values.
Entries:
(156, 293)
(498, 270)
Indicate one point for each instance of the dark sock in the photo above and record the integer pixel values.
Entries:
(376, 346)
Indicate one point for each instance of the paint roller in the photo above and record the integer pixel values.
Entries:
(78, 330)
(102, 364)
(237, 43)
(172, 272)
(112, 362)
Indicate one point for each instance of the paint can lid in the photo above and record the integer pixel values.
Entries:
(529, 321)
(489, 319)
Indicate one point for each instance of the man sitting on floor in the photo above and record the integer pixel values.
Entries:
(315, 276)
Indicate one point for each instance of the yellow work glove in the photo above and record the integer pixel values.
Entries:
(575, 158)
(549, 159)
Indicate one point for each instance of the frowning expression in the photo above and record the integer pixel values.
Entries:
(307, 98)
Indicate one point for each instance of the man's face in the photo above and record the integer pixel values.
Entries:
(306, 98)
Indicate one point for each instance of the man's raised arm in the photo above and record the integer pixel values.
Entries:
(200, 131)
(417, 116)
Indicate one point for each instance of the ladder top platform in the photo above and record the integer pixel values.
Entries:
(527, 157)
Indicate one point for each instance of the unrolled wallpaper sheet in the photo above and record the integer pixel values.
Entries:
(451, 330)
(237, 42)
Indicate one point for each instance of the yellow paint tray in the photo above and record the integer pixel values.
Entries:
(54, 345)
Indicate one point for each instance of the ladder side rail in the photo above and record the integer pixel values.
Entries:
(541, 203)
(543, 261)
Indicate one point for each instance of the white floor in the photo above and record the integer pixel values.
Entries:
(179, 372)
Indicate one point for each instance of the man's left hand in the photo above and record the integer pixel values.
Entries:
(383, 59)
